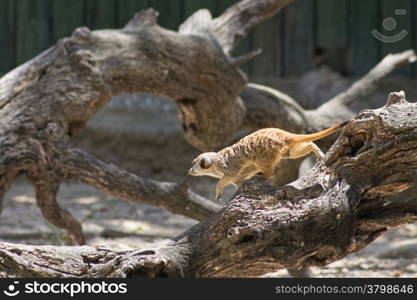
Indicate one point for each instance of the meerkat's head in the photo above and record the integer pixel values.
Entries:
(205, 165)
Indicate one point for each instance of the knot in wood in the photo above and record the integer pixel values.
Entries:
(82, 57)
(82, 33)
(240, 235)
(395, 98)
(143, 18)
(52, 131)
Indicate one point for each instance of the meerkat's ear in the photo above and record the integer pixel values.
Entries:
(205, 163)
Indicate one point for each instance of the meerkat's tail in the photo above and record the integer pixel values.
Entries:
(300, 138)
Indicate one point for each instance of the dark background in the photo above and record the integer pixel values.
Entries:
(293, 41)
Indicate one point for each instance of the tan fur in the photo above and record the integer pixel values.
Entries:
(258, 152)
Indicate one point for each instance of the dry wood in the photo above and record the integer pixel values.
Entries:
(355, 194)
(50, 98)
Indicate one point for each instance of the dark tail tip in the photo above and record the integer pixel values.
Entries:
(343, 124)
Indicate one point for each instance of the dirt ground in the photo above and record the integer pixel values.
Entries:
(121, 224)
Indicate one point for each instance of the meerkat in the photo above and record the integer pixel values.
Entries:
(258, 152)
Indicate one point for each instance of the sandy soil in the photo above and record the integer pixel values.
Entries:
(121, 224)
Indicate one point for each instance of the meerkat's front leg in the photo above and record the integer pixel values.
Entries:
(221, 184)
(268, 172)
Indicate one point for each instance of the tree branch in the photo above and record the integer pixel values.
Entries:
(235, 23)
(367, 84)
(335, 109)
(46, 200)
(352, 196)
(267, 107)
(109, 178)
(51, 97)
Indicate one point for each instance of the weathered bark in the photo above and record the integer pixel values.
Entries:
(235, 23)
(50, 98)
(346, 201)
(176, 198)
(205, 125)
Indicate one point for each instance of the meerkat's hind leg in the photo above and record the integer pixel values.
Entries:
(317, 152)
(303, 149)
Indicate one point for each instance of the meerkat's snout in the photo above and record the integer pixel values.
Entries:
(194, 170)
(191, 171)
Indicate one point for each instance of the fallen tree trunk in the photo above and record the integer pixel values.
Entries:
(47, 100)
(346, 201)
(50, 98)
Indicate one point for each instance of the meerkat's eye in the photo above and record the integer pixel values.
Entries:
(203, 163)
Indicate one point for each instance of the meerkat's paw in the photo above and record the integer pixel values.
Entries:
(219, 192)
(320, 155)
(219, 198)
